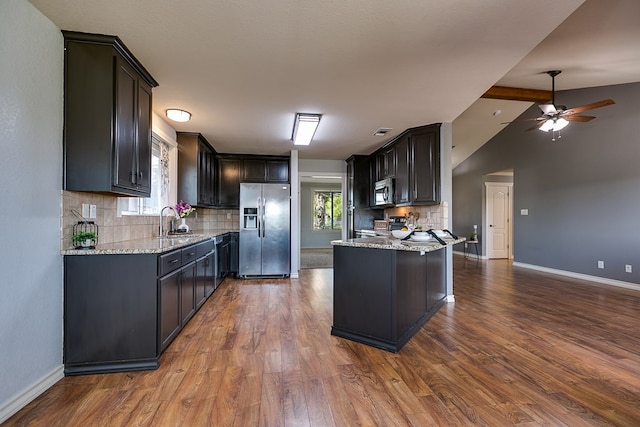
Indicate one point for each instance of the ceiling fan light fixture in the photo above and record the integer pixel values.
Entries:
(559, 124)
(546, 126)
(304, 127)
(178, 115)
(554, 125)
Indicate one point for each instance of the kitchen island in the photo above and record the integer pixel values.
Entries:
(385, 289)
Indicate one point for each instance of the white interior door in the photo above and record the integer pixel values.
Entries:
(498, 227)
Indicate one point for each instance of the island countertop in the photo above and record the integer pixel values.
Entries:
(390, 243)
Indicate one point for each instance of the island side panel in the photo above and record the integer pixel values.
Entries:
(436, 278)
(363, 281)
(411, 292)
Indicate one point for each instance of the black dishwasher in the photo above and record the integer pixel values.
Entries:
(223, 254)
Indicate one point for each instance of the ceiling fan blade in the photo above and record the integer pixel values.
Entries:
(548, 108)
(580, 109)
(578, 118)
(537, 125)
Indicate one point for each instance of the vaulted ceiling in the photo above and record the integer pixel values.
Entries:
(244, 68)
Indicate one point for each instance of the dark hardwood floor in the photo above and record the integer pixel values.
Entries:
(517, 347)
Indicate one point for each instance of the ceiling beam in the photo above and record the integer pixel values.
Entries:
(518, 94)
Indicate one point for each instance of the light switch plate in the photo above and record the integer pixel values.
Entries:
(85, 210)
(92, 211)
(524, 211)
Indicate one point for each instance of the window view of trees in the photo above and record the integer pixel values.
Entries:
(327, 210)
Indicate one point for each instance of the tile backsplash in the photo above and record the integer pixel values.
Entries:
(436, 216)
(113, 228)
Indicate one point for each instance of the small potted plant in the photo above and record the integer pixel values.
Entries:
(84, 239)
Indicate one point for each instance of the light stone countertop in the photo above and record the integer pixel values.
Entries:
(151, 245)
(397, 244)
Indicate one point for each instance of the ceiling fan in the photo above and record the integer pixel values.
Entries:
(556, 117)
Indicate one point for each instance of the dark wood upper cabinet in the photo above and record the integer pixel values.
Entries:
(235, 168)
(386, 163)
(413, 160)
(254, 170)
(424, 176)
(265, 170)
(196, 170)
(401, 192)
(228, 182)
(277, 170)
(107, 117)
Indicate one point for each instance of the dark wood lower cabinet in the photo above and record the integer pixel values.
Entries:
(386, 303)
(122, 311)
(110, 313)
(205, 278)
(170, 324)
(188, 292)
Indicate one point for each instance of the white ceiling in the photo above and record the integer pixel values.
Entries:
(244, 68)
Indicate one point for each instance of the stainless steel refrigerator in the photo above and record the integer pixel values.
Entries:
(265, 221)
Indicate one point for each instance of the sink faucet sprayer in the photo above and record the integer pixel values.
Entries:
(162, 212)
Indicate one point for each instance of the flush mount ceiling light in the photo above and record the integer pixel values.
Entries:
(178, 115)
(304, 128)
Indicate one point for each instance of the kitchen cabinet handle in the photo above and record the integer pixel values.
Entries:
(173, 261)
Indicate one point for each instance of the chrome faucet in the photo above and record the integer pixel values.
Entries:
(161, 213)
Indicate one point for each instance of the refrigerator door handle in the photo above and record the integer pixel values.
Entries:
(264, 204)
(258, 217)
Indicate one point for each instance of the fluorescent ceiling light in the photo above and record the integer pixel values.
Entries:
(304, 128)
(178, 115)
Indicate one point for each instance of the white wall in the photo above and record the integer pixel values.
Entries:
(31, 96)
(446, 195)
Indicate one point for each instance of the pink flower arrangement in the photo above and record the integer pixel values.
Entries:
(183, 209)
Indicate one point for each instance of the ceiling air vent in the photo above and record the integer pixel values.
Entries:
(382, 131)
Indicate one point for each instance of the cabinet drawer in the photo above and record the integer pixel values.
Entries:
(169, 262)
(204, 248)
(188, 254)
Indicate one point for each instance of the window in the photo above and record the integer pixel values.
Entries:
(159, 185)
(327, 210)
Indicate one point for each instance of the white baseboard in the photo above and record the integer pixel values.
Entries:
(450, 298)
(602, 280)
(9, 408)
(470, 255)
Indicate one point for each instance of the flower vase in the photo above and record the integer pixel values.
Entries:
(183, 227)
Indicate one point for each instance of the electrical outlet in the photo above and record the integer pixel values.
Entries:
(85, 210)
(600, 264)
(524, 211)
(92, 211)
(228, 215)
(627, 268)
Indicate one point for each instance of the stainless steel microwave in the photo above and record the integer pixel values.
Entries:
(384, 192)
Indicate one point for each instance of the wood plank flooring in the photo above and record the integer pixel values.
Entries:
(517, 347)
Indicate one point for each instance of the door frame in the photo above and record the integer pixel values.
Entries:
(486, 239)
